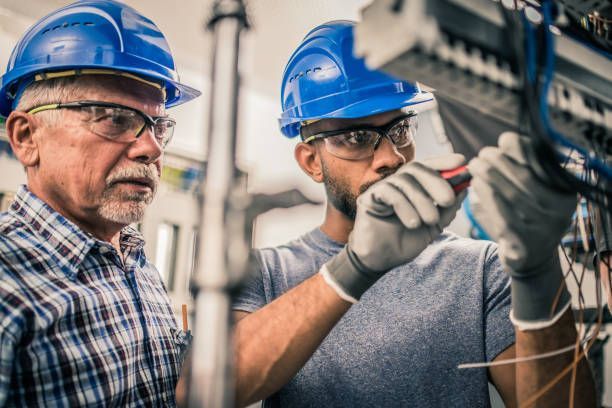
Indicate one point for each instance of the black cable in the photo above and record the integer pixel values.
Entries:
(529, 119)
(545, 151)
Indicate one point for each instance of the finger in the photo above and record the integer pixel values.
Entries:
(392, 198)
(444, 162)
(521, 149)
(516, 147)
(536, 194)
(421, 201)
(497, 217)
(440, 190)
(484, 209)
(482, 169)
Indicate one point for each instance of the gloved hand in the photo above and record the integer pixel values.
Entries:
(527, 216)
(396, 219)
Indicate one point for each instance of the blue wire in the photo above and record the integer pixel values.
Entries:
(591, 161)
(481, 233)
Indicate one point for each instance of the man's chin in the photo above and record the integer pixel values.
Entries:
(126, 212)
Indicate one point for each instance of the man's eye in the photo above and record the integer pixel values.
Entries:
(114, 123)
(358, 138)
(118, 120)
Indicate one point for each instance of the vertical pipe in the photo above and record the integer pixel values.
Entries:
(211, 374)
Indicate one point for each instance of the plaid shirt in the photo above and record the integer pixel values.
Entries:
(78, 326)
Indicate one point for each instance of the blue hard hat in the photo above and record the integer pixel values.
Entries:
(323, 79)
(93, 35)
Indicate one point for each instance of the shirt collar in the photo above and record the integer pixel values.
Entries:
(131, 238)
(66, 242)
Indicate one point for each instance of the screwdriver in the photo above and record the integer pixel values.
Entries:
(459, 178)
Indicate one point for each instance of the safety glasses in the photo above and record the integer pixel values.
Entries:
(360, 142)
(117, 122)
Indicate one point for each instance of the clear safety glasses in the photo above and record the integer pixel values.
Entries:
(361, 142)
(117, 122)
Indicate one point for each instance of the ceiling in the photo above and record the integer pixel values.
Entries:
(277, 26)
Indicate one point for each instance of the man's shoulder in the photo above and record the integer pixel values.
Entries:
(10, 226)
(17, 250)
(299, 258)
(311, 244)
(15, 240)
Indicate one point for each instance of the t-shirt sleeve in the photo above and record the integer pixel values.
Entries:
(251, 295)
(499, 332)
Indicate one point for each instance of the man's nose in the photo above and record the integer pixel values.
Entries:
(146, 148)
(386, 156)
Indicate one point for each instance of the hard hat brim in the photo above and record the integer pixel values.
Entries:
(290, 125)
(176, 92)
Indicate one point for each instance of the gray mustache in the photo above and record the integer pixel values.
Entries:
(145, 172)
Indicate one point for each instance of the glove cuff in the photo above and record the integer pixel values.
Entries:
(534, 293)
(540, 324)
(347, 276)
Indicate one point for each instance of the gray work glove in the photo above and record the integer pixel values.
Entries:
(396, 219)
(527, 216)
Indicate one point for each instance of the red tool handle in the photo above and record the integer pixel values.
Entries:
(459, 178)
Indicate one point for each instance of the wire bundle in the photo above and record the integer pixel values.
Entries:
(572, 167)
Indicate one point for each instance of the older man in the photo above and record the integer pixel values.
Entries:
(84, 317)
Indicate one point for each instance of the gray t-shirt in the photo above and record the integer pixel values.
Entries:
(401, 344)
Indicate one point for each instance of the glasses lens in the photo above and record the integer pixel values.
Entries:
(164, 129)
(402, 133)
(352, 145)
(115, 123)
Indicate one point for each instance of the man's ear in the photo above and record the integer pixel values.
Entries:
(309, 159)
(20, 128)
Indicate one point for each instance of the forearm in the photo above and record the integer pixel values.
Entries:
(273, 343)
(533, 376)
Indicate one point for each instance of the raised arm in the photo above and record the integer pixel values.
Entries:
(527, 215)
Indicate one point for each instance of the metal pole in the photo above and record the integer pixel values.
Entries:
(211, 382)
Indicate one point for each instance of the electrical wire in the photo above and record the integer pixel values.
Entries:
(575, 169)
(533, 90)
(539, 356)
(592, 161)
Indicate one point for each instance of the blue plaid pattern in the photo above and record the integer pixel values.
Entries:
(79, 326)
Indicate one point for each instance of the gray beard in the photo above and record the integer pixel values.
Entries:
(124, 208)
(127, 207)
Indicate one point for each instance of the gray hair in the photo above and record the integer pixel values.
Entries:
(54, 90)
